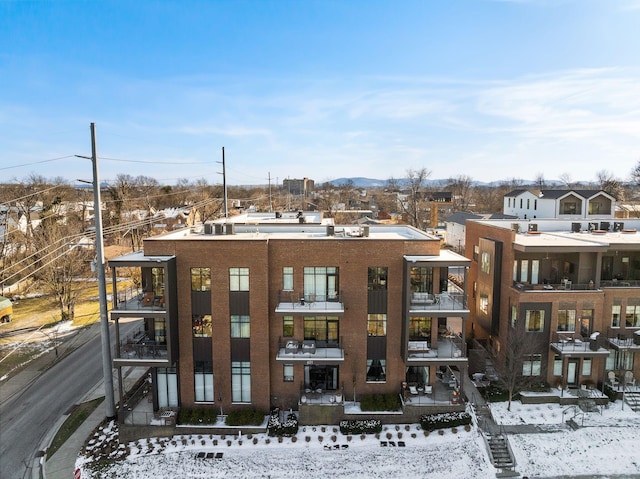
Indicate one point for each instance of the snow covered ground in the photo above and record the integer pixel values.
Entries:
(607, 446)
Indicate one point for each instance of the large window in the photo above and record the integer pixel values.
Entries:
(200, 279)
(422, 279)
(240, 326)
(632, 317)
(377, 277)
(531, 365)
(534, 320)
(622, 359)
(484, 303)
(157, 277)
(167, 383)
(203, 381)
(241, 381)
(485, 262)
(287, 278)
(376, 370)
(287, 326)
(201, 325)
(377, 324)
(586, 367)
(586, 322)
(238, 279)
(324, 330)
(420, 329)
(567, 320)
(321, 283)
(615, 315)
(557, 365)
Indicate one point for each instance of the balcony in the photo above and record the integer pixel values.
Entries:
(135, 300)
(446, 301)
(294, 303)
(571, 344)
(290, 349)
(624, 339)
(138, 347)
(620, 283)
(564, 286)
(451, 348)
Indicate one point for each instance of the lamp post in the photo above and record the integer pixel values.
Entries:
(102, 290)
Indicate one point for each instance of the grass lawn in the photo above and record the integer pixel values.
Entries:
(79, 413)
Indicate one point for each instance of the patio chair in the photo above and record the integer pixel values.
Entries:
(612, 378)
(413, 390)
(629, 380)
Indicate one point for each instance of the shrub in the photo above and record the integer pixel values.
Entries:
(441, 432)
(294, 438)
(276, 428)
(493, 393)
(360, 426)
(334, 438)
(380, 402)
(245, 417)
(307, 438)
(255, 440)
(431, 422)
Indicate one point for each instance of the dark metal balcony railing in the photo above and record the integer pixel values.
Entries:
(565, 286)
(290, 348)
(134, 299)
(439, 302)
(301, 303)
(620, 283)
(139, 346)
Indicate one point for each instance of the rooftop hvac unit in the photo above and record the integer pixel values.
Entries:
(533, 227)
(219, 228)
(365, 231)
(278, 214)
(593, 226)
(331, 230)
(515, 227)
(576, 227)
(208, 229)
(604, 225)
(618, 226)
(230, 228)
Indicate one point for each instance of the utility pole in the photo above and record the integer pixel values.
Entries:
(224, 185)
(270, 204)
(102, 290)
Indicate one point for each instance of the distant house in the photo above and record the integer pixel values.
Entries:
(560, 204)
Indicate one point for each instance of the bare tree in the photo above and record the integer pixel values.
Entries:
(635, 174)
(566, 179)
(540, 183)
(515, 350)
(414, 207)
(610, 184)
(462, 189)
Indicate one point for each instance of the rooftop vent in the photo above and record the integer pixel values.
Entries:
(230, 228)
(331, 230)
(604, 225)
(576, 227)
(533, 227)
(593, 226)
(219, 228)
(208, 229)
(618, 226)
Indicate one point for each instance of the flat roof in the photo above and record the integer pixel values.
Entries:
(302, 231)
(444, 256)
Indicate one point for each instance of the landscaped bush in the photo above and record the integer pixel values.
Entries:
(194, 415)
(431, 422)
(360, 426)
(288, 428)
(540, 387)
(380, 402)
(245, 417)
(611, 393)
(493, 393)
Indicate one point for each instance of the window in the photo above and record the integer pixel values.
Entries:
(586, 367)
(476, 252)
(535, 204)
(535, 270)
(557, 365)
(377, 277)
(320, 283)
(515, 270)
(484, 303)
(201, 325)
(240, 326)
(622, 359)
(485, 263)
(324, 330)
(287, 373)
(569, 208)
(586, 322)
(524, 270)
(534, 320)
(632, 318)
(203, 381)
(287, 326)
(567, 320)
(238, 279)
(520, 203)
(421, 279)
(376, 370)
(157, 277)
(531, 365)
(514, 315)
(377, 324)
(241, 381)
(528, 203)
(419, 329)
(200, 279)
(167, 385)
(615, 315)
(159, 330)
(287, 278)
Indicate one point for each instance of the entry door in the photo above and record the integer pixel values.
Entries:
(572, 372)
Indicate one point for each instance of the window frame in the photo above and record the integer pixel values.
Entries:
(200, 279)
(238, 279)
(240, 326)
(201, 324)
(528, 315)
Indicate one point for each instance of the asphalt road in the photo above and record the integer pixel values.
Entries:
(27, 418)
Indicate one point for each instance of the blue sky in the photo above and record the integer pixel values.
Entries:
(320, 88)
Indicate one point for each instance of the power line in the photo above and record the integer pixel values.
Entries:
(36, 162)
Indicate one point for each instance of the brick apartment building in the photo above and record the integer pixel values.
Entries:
(572, 287)
(273, 313)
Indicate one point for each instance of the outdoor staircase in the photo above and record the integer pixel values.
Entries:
(633, 400)
(586, 401)
(501, 456)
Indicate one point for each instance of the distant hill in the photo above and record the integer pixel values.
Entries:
(361, 182)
